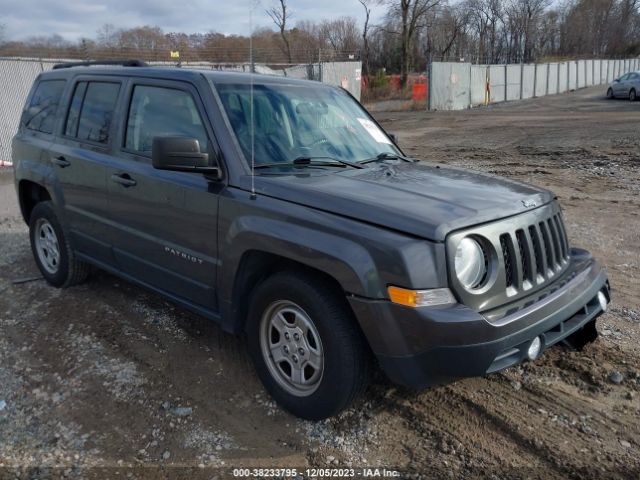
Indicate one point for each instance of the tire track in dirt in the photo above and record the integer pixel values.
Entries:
(444, 418)
(182, 354)
(559, 423)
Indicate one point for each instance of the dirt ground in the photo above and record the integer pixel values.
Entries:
(108, 380)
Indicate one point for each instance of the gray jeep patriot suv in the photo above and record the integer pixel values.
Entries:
(338, 252)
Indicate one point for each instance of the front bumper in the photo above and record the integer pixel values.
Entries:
(421, 347)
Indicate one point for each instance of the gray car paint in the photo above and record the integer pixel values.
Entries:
(367, 229)
(622, 86)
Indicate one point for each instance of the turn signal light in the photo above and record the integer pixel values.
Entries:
(420, 298)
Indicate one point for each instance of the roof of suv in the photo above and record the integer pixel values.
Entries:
(173, 73)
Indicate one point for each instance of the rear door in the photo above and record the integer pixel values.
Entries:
(30, 146)
(80, 155)
(164, 224)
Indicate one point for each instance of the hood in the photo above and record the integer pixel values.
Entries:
(420, 199)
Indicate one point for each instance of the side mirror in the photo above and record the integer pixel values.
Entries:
(180, 154)
(616, 80)
(393, 137)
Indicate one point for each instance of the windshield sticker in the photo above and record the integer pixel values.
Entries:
(377, 134)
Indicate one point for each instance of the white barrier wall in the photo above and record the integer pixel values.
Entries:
(449, 86)
(552, 81)
(455, 86)
(528, 80)
(478, 84)
(513, 82)
(541, 79)
(563, 76)
(497, 83)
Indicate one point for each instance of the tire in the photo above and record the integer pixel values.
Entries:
(334, 361)
(52, 251)
(610, 94)
(632, 95)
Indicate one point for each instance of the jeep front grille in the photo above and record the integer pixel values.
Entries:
(525, 253)
(542, 252)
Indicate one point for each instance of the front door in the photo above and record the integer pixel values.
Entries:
(164, 224)
(619, 87)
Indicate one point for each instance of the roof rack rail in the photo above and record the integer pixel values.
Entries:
(123, 63)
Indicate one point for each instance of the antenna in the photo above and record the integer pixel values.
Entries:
(253, 150)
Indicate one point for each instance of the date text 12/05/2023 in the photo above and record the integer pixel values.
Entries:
(316, 472)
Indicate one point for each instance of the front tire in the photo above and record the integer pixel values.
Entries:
(306, 345)
(632, 95)
(51, 250)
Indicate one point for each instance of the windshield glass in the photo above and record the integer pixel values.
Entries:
(294, 121)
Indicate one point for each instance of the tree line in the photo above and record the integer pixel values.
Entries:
(410, 35)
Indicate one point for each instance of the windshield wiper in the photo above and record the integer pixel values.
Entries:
(388, 156)
(310, 162)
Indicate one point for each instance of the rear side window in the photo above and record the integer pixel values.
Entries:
(40, 115)
(159, 111)
(91, 111)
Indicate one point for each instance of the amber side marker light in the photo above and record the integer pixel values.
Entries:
(421, 298)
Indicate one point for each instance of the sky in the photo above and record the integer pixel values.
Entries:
(75, 19)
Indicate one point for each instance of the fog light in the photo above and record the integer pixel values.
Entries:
(534, 349)
(602, 298)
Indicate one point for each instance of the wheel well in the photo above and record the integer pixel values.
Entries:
(30, 194)
(256, 266)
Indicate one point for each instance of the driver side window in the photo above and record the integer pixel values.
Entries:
(160, 111)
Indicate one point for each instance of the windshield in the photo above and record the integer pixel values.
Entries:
(301, 121)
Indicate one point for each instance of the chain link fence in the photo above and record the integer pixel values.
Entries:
(457, 86)
(17, 76)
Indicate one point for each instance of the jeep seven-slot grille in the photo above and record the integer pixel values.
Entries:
(534, 254)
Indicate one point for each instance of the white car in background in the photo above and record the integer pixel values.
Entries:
(627, 86)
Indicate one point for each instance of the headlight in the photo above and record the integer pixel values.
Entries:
(470, 263)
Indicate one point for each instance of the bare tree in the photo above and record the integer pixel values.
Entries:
(279, 15)
(341, 35)
(452, 25)
(367, 5)
(411, 14)
(524, 17)
(485, 20)
(108, 35)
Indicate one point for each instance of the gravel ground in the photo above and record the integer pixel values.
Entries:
(108, 380)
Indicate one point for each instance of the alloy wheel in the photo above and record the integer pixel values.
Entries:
(47, 246)
(292, 348)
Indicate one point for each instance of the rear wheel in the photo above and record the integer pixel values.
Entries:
(51, 250)
(632, 95)
(306, 346)
(610, 93)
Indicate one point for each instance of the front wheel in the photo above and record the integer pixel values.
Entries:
(610, 94)
(51, 250)
(632, 95)
(306, 346)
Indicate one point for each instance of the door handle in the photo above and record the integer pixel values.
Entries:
(60, 161)
(123, 179)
